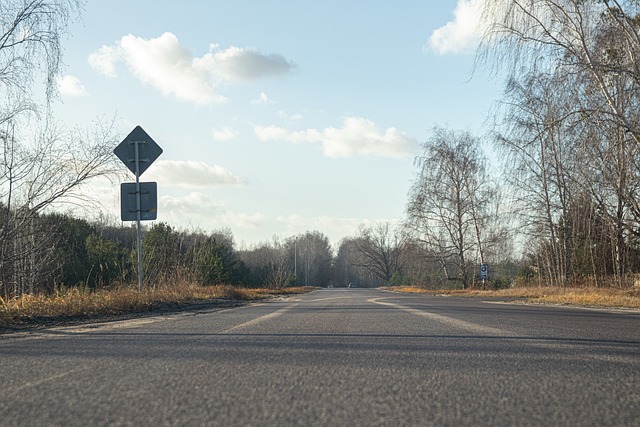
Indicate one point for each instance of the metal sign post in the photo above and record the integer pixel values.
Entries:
(139, 228)
(137, 151)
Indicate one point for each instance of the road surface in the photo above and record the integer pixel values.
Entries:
(334, 357)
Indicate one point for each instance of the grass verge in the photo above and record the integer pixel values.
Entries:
(589, 297)
(76, 304)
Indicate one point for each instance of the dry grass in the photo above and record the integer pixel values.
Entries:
(591, 297)
(74, 303)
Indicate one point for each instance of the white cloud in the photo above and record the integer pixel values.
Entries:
(296, 223)
(71, 86)
(226, 133)
(333, 227)
(191, 174)
(193, 204)
(263, 99)
(244, 221)
(235, 63)
(462, 34)
(104, 60)
(289, 117)
(170, 68)
(356, 137)
(202, 211)
(272, 133)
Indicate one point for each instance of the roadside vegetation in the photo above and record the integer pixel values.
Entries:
(584, 297)
(78, 304)
(553, 211)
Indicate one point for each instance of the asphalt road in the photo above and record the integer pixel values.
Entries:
(351, 357)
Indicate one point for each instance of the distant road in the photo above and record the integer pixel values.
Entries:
(335, 357)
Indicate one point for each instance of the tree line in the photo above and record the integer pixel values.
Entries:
(66, 252)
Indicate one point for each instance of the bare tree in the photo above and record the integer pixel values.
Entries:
(420, 266)
(314, 258)
(449, 201)
(30, 35)
(348, 265)
(280, 269)
(593, 39)
(539, 153)
(41, 165)
(50, 172)
(574, 121)
(379, 248)
(269, 264)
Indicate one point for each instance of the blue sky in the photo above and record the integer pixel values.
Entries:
(277, 117)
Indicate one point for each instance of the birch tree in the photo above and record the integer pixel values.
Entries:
(42, 165)
(576, 64)
(448, 209)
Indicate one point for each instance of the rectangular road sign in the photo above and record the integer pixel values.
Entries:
(148, 201)
(484, 271)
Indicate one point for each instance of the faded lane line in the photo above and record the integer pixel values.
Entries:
(450, 321)
(259, 319)
(43, 380)
(613, 310)
(65, 331)
(326, 299)
(123, 324)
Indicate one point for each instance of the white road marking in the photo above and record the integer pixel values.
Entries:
(260, 319)
(43, 380)
(450, 321)
(326, 299)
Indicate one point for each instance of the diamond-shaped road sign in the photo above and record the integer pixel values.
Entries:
(148, 150)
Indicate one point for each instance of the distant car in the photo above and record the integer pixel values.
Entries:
(352, 285)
